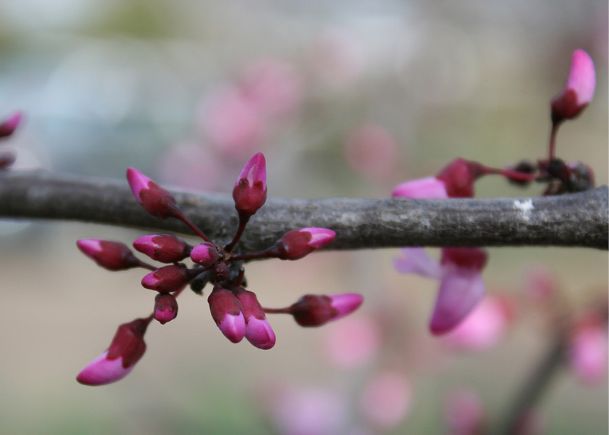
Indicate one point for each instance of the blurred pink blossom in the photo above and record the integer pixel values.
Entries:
(308, 411)
(353, 342)
(336, 60)
(464, 413)
(371, 151)
(540, 285)
(272, 86)
(386, 399)
(588, 350)
(483, 328)
(192, 166)
(233, 123)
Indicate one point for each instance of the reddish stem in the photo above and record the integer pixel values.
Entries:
(195, 229)
(285, 310)
(243, 220)
(267, 253)
(552, 145)
(145, 265)
(508, 173)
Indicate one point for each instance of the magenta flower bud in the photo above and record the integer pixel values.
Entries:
(165, 248)
(10, 124)
(153, 198)
(249, 192)
(167, 279)
(107, 254)
(422, 188)
(226, 312)
(258, 330)
(125, 351)
(205, 254)
(296, 244)
(459, 177)
(316, 310)
(165, 308)
(578, 90)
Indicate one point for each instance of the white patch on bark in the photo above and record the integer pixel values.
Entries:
(525, 208)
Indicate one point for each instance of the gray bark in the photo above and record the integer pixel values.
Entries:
(579, 219)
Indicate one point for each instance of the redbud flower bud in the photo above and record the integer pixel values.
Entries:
(226, 312)
(316, 310)
(258, 330)
(249, 192)
(10, 124)
(165, 307)
(422, 188)
(459, 177)
(461, 287)
(155, 200)
(205, 254)
(165, 248)
(296, 244)
(578, 90)
(125, 351)
(107, 254)
(167, 279)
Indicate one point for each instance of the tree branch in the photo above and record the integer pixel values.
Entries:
(568, 220)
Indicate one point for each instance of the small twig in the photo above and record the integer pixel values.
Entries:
(535, 385)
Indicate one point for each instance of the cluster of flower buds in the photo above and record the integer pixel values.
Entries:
(235, 309)
(459, 272)
(7, 128)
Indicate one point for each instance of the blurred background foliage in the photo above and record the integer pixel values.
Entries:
(351, 98)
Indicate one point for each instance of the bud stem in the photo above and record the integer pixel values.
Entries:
(243, 220)
(195, 229)
(286, 310)
(552, 145)
(267, 253)
(145, 265)
(508, 173)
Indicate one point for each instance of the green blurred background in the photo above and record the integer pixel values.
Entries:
(108, 84)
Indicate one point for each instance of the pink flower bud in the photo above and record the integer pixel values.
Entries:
(165, 248)
(107, 254)
(578, 90)
(226, 312)
(422, 188)
(459, 177)
(167, 279)
(125, 351)
(249, 192)
(205, 254)
(298, 243)
(153, 198)
(258, 330)
(10, 124)
(316, 310)
(165, 308)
